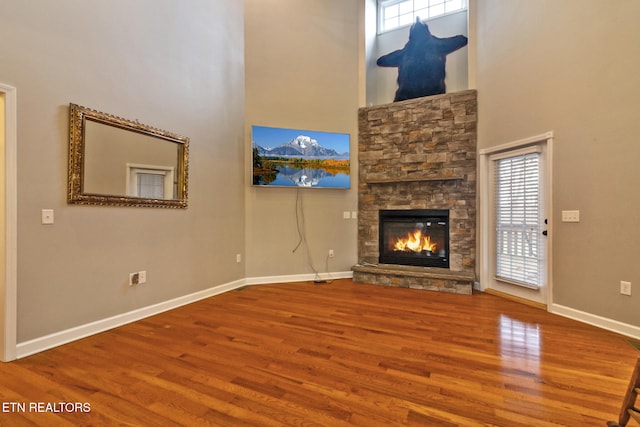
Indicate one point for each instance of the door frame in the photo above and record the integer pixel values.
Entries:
(8, 283)
(485, 212)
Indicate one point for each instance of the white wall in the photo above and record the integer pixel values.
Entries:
(173, 67)
(302, 72)
(571, 67)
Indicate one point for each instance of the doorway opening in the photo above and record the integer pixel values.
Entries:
(8, 223)
(515, 241)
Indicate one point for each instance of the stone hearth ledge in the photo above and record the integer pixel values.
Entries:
(426, 278)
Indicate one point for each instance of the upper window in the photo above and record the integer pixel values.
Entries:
(398, 13)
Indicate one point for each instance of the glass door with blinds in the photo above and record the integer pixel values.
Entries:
(518, 223)
(516, 227)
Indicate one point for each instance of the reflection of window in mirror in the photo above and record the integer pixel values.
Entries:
(152, 182)
(150, 185)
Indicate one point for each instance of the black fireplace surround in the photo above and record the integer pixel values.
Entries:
(418, 237)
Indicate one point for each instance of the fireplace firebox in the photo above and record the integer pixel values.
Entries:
(418, 237)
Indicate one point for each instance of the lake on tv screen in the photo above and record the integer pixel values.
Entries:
(291, 177)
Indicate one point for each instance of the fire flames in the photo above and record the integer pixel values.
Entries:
(414, 242)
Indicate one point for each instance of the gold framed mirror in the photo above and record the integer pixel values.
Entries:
(119, 162)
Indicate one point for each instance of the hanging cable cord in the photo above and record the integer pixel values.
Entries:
(302, 238)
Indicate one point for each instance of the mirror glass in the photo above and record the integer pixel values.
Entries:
(114, 161)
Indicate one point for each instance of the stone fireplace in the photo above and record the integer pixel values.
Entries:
(417, 161)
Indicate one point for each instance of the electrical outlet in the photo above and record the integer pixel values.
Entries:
(625, 288)
(331, 253)
(134, 279)
(238, 258)
(142, 277)
(570, 216)
(346, 215)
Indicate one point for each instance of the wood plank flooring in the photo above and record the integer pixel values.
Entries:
(338, 354)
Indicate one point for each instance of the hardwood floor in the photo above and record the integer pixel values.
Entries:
(338, 354)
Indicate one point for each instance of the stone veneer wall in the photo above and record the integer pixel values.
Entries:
(419, 154)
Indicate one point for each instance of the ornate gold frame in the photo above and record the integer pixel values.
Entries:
(76, 195)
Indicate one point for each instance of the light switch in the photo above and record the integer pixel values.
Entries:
(47, 216)
(570, 216)
(346, 215)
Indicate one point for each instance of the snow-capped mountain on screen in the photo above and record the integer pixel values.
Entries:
(301, 145)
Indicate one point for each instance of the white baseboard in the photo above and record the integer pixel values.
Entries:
(592, 319)
(298, 278)
(37, 345)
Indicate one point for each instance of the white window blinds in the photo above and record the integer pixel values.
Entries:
(518, 218)
(151, 185)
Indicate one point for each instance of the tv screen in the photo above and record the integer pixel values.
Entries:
(300, 158)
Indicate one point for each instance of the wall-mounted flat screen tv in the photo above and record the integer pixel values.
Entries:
(300, 158)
